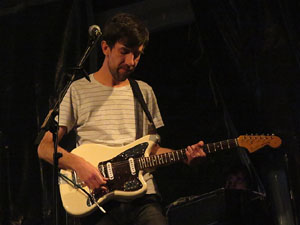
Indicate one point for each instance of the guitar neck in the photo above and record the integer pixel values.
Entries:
(221, 145)
(154, 161)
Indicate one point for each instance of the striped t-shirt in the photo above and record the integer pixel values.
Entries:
(107, 115)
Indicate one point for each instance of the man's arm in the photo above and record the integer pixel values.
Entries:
(87, 173)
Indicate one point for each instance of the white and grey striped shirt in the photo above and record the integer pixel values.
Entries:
(107, 115)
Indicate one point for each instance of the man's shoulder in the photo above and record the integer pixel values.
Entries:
(83, 85)
(81, 81)
(144, 86)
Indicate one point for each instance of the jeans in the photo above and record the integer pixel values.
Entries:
(142, 211)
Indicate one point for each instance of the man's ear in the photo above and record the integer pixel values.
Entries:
(105, 47)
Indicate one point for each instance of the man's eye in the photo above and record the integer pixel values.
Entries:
(124, 52)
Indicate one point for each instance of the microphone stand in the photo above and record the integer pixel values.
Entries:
(51, 125)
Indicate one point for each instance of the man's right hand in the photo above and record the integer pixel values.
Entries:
(90, 175)
(87, 173)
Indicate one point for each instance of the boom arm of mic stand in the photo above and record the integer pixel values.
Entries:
(50, 118)
(50, 124)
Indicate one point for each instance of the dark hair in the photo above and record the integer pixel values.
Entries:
(127, 29)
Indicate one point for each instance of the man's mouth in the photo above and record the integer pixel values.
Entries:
(125, 70)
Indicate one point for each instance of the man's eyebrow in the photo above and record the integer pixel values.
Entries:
(133, 50)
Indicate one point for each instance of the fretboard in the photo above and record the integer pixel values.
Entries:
(180, 155)
(221, 145)
(161, 159)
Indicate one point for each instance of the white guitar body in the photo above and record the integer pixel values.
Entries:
(75, 201)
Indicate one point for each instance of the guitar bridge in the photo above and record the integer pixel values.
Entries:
(76, 181)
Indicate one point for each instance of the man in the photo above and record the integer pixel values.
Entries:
(104, 111)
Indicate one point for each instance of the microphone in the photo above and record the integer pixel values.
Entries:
(94, 31)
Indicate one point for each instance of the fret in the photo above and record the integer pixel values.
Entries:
(215, 147)
(150, 162)
(146, 161)
(158, 158)
(162, 158)
(221, 145)
(174, 159)
(208, 148)
(170, 156)
(236, 143)
(154, 161)
(183, 152)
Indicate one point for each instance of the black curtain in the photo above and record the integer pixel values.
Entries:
(253, 51)
(37, 37)
(229, 68)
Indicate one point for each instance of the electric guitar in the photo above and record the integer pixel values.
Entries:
(125, 166)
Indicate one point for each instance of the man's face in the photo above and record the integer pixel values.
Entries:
(122, 60)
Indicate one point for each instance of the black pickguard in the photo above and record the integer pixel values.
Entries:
(123, 179)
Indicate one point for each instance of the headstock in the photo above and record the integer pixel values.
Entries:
(255, 142)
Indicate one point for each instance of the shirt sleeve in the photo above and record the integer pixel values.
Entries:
(155, 112)
(151, 101)
(68, 109)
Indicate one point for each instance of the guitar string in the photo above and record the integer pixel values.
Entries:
(206, 146)
(125, 162)
(216, 146)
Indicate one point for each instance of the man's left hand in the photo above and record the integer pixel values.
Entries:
(195, 151)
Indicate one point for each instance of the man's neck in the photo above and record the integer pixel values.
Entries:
(104, 77)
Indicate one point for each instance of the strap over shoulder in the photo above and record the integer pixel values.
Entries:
(138, 94)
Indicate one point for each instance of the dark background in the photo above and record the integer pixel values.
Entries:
(219, 69)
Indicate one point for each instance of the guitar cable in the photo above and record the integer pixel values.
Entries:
(90, 195)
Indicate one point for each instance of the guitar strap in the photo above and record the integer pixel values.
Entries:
(139, 96)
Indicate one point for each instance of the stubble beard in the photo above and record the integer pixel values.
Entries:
(119, 77)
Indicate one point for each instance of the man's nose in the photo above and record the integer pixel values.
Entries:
(130, 60)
